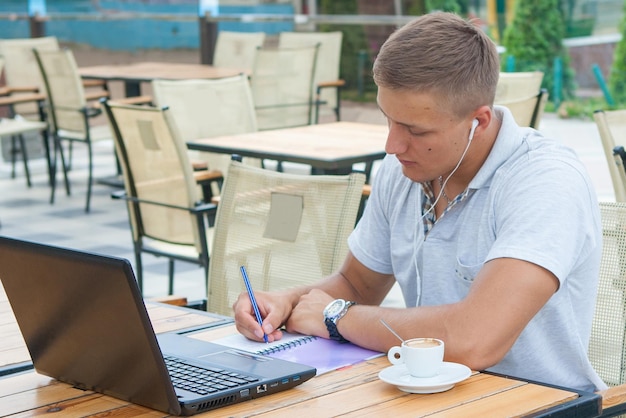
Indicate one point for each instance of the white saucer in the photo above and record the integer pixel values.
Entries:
(449, 375)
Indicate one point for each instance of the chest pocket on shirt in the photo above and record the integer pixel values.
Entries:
(466, 273)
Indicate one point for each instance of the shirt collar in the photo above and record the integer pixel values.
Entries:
(510, 138)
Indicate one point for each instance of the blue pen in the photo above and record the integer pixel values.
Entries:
(244, 274)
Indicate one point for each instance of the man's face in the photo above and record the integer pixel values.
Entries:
(427, 138)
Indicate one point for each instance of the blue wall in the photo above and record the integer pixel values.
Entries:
(135, 34)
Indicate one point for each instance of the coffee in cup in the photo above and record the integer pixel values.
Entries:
(423, 357)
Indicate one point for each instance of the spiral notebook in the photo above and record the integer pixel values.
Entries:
(323, 354)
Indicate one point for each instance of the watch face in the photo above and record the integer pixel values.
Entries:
(334, 308)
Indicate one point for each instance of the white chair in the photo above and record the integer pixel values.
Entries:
(612, 126)
(287, 229)
(23, 83)
(282, 86)
(209, 108)
(326, 82)
(237, 49)
(14, 129)
(21, 72)
(607, 347)
(521, 92)
(69, 112)
(166, 211)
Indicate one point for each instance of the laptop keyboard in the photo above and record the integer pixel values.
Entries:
(203, 380)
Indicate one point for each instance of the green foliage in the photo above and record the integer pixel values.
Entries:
(414, 7)
(535, 38)
(617, 78)
(444, 5)
(354, 40)
(357, 56)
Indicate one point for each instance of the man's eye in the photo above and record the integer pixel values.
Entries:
(414, 133)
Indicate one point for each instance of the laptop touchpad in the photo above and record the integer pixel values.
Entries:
(233, 358)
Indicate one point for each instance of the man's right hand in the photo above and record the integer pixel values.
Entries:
(275, 309)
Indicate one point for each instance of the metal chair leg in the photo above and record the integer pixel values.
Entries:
(25, 159)
(170, 288)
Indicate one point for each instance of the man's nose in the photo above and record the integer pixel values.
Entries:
(396, 142)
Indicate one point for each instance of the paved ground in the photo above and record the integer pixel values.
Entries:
(26, 212)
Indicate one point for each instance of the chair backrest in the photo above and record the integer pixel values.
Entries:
(208, 108)
(66, 95)
(529, 110)
(237, 49)
(518, 85)
(612, 125)
(287, 229)
(521, 92)
(328, 57)
(21, 68)
(156, 168)
(282, 86)
(607, 347)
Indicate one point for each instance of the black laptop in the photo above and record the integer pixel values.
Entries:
(84, 322)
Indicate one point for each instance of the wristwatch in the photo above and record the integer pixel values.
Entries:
(333, 312)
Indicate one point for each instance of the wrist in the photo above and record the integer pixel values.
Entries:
(333, 312)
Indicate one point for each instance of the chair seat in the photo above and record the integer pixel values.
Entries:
(180, 250)
(20, 126)
(98, 133)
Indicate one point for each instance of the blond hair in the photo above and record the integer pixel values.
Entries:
(442, 54)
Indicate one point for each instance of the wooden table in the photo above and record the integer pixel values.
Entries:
(14, 355)
(134, 74)
(355, 391)
(330, 148)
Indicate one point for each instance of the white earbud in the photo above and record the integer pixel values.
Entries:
(474, 125)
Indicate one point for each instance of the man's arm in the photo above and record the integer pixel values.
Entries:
(352, 282)
(478, 331)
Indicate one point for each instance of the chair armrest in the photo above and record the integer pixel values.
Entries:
(93, 82)
(6, 90)
(96, 95)
(205, 179)
(200, 207)
(329, 84)
(613, 398)
(335, 83)
(135, 100)
(367, 190)
(204, 176)
(21, 98)
(199, 165)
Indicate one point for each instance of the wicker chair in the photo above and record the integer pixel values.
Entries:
(166, 211)
(326, 82)
(612, 126)
(282, 86)
(70, 113)
(521, 92)
(286, 229)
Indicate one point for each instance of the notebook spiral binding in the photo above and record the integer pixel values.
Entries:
(288, 345)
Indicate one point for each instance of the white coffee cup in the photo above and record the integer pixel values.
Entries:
(423, 357)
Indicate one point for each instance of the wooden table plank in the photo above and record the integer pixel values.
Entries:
(520, 401)
(147, 71)
(326, 146)
(167, 318)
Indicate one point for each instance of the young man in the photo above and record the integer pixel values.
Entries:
(491, 230)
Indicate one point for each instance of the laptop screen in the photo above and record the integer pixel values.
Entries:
(82, 322)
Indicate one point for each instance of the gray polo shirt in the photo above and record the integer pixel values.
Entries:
(531, 200)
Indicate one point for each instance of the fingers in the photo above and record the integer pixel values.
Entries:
(246, 322)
